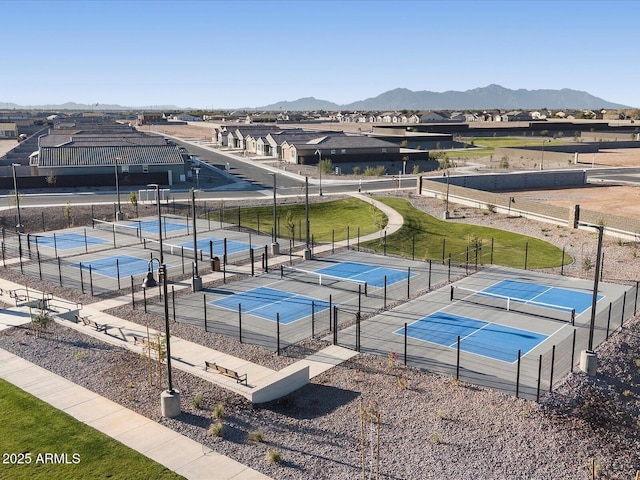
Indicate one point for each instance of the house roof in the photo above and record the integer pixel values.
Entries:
(97, 139)
(99, 156)
(343, 141)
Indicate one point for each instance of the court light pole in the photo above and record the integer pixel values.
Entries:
(157, 187)
(307, 250)
(19, 226)
(170, 398)
(275, 248)
(588, 358)
(319, 153)
(197, 280)
(119, 214)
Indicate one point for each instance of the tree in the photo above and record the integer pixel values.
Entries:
(133, 200)
(67, 213)
(51, 180)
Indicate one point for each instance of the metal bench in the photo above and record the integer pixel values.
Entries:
(225, 371)
(100, 327)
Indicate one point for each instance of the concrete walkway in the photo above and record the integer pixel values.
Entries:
(171, 449)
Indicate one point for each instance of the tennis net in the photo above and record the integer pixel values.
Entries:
(309, 276)
(504, 302)
(119, 228)
(179, 250)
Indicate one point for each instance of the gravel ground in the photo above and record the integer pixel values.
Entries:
(429, 426)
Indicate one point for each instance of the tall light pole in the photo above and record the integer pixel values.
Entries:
(446, 208)
(119, 214)
(197, 280)
(197, 170)
(588, 358)
(307, 250)
(157, 187)
(542, 156)
(275, 248)
(170, 398)
(19, 226)
(319, 153)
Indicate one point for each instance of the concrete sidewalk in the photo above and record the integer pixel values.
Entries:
(176, 452)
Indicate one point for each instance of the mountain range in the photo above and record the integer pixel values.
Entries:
(485, 98)
(489, 97)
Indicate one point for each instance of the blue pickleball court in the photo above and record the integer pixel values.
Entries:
(524, 292)
(217, 246)
(151, 226)
(122, 265)
(481, 338)
(371, 274)
(266, 303)
(68, 241)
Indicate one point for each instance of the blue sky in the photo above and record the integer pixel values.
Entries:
(231, 54)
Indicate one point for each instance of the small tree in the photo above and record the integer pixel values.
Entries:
(41, 321)
(67, 213)
(51, 180)
(133, 200)
(291, 224)
(325, 165)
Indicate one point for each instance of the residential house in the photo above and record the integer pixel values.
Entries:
(8, 130)
(339, 148)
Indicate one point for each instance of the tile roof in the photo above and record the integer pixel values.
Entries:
(99, 139)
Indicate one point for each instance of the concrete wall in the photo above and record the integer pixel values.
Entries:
(281, 387)
(517, 181)
(622, 227)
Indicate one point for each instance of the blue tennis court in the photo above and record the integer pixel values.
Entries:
(218, 245)
(371, 274)
(481, 338)
(524, 291)
(124, 265)
(69, 241)
(266, 302)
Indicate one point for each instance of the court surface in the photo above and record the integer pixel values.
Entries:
(267, 303)
(217, 246)
(151, 226)
(68, 241)
(554, 297)
(476, 336)
(117, 266)
(373, 275)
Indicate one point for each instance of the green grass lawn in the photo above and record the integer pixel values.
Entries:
(30, 426)
(325, 217)
(431, 235)
(485, 146)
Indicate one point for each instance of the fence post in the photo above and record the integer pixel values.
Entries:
(278, 333)
(553, 361)
(144, 295)
(385, 292)
(491, 251)
(251, 258)
(358, 333)
(408, 283)
(573, 350)
(608, 321)
(118, 271)
(173, 301)
(429, 274)
(347, 237)
(240, 321)
(518, 376)
(449, 270)
(358, 238)
(458, 359)
(330, 314)
(624, 305)
(413, 247)
(313, 319)
(60, 271)
(444, 243)
(133, 297)
(405, 343)
(335, 325)
(526, 254)
(539, 375)
(562, 264)
(333, 241)
(204, 308)
(39, 264)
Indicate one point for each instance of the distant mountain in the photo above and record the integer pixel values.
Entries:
(86, 107)
(489, 97)
(302, 104)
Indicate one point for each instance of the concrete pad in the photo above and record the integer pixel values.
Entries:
(178, 453)
(148, 437)
(119, 422)
(68, 397)
(93, 409)
(214, 465)
(12, 318)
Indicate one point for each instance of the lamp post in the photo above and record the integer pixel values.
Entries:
(170, 398)
(119, 214)
(19, 226)
(319, 153)
(446, 208)
(307, 250)
(542, 156)
(157, 187)
(197, 280)
(197, 170)
(275, 248)
(588, 358)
